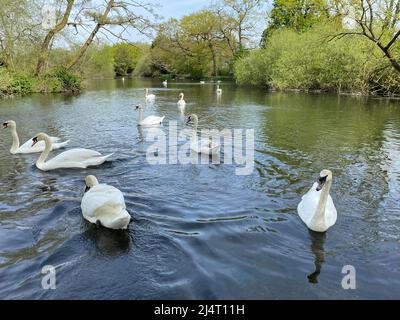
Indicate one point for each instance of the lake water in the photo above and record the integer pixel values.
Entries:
(201, 231)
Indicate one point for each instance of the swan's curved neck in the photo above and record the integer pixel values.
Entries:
(140, 116)
(182, 97)
(194, 132)
(319, 216)
(15, 143)
(40, 162)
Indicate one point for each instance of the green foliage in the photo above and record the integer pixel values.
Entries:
(68, 80)
(195, 46)
(5, 80)
(126, 57)
(297, 15)
(310, 61)
(21, 84)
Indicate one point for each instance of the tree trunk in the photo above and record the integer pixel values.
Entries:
(89, 40)
(49, 37)
(215, 70)
(393, 61)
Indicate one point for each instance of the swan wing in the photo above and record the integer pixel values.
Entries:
(39, 146)
(308, 204)
(331, 213)
(152, 120)
(77, 154)
(106, 204)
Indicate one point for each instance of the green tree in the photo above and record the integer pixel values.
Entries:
(298, 15)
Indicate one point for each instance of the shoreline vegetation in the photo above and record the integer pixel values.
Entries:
(308, 46)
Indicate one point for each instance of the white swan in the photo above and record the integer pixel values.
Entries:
(27, 146)
(205, 146)
(202, 82)
(165, 83)
(149, 97)
(74, 158)
(316, 208)
(181, 102)
(148, 121)
(219, 90)
(105, 205)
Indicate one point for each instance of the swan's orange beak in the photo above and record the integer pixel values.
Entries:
(34, 141)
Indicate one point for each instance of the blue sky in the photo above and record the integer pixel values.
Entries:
(179, 8)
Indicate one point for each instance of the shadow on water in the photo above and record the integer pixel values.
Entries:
(108, 242)
(317, 248)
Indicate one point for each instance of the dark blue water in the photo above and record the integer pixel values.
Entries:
(200, 231)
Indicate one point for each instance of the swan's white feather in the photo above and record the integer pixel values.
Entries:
(105, 204)
(75, 158)
(204, 147)
(152, 120)
(40, 145)
(308, 206)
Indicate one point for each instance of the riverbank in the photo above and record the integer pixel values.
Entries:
(57, 81)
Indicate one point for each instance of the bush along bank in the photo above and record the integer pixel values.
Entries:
(19, 83)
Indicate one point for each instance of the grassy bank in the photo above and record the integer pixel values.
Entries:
(19, 83)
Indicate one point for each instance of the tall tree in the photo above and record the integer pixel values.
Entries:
(203, 28)
(243, 14)
(298, 15)
(18, 30)
(377, 20)
(44, 48)
(114, 19)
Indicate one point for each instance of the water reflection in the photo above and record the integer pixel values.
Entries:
(317, 248)
(108, 242)
(296, 135)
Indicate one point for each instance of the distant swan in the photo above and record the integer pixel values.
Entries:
(149, 97)
(165, 83)
(27, 146)
(148, 121)
(105, 205)
(206, 146)
(202, 82)
(73, 158)
(181, 102)
(219, 90)
(316, 208)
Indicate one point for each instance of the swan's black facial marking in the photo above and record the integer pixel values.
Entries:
(87, 189)
(5, 125)
(35, 140)
(189, 119)
(321, 182)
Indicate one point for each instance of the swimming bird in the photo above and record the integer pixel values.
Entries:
(104, 204)
(73, 158)
(165, 83)
(205, 146)
(149, 97)
(219, 90)
(316, 208)
(27, 146)
(148, 121)
(181, 102)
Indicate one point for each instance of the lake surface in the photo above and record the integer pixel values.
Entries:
(201, 231)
